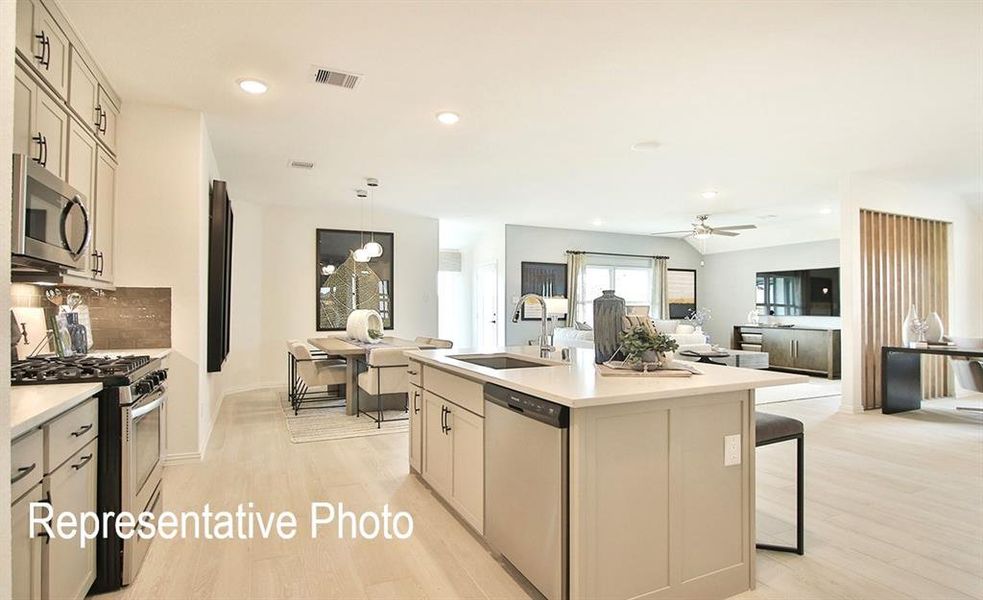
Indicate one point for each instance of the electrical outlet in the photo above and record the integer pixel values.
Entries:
(732, 450)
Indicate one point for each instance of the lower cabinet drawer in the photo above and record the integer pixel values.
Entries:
(415, 372)
(70, 432)
(26, 463)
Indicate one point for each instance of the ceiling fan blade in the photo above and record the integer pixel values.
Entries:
(672, 232)
(735, 227)
(725, 233)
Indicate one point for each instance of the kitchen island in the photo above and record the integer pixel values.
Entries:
(654, 476)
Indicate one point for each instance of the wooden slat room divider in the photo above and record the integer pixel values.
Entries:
(905, 261)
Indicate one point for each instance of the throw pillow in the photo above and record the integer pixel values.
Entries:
(581, 326)
(666, 326)
(685, 328)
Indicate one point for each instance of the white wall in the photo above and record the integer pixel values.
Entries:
(7, 21)
(965, 266)
(288, 276)
(161, 241)
(541, 244)
(729, 280)
(454, 302)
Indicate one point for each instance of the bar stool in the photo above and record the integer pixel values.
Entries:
(772, 429)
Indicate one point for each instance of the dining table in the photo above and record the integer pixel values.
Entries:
(354, 351)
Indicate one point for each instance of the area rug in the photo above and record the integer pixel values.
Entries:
(325, 424)
(815, 388)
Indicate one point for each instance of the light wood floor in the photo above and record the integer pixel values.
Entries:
(894, 509)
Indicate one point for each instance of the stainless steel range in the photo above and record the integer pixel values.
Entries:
(132, 409)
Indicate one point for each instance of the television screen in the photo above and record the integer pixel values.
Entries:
(808, 292)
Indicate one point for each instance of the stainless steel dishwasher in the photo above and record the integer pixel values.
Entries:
(526, 486)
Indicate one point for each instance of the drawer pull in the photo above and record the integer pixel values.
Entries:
(82, 430)
(412, 372)
(22, 473)
(85, 460)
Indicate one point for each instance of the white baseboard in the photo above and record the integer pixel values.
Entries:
(182, 458)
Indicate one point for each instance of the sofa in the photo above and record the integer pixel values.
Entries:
(576, 338)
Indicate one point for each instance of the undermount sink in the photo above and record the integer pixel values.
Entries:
(502, 361)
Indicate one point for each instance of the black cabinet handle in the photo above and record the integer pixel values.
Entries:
(102, 263)
(98, 123)
(22, 473)
(41, 46)
(95, 263)
(85, 460)
(81, 431)
(443, 422)
(416, 404)
(38, 139)
(446, 414)
(44, 148)
(102, 121)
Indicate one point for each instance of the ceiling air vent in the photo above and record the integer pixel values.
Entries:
(301, 164)
(336, 78)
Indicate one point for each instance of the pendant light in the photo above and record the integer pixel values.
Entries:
(360, 255)
(373, 248)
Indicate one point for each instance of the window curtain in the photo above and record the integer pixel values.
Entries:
(576, 263)
(660, 288)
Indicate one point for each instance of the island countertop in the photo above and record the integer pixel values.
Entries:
(33, 405)
(578, 384)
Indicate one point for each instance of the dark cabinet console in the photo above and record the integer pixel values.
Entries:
(800, 349)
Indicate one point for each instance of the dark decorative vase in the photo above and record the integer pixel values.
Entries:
(609, 315)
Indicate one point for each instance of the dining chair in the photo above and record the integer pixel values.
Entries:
(772, 429)
(309, 370)
(382, 373)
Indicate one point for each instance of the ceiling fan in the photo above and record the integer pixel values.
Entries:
(702, 231)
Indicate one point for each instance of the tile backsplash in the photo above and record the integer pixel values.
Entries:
(127, 317)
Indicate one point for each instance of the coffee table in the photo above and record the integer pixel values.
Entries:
(746, 359)
(706, 356)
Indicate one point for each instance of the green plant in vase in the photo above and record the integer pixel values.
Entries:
(375, 334)
(643, 345)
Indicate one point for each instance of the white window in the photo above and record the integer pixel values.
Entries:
(630, 279)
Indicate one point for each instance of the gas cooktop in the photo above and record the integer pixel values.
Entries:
(110, 370)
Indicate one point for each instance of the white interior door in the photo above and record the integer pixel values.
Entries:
(486, 305)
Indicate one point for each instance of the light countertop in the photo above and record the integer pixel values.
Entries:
(33, 405)
(578, 384)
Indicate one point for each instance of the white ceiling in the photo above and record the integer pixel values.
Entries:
(774, 104)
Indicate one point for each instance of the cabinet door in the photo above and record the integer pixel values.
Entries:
(82, 176)
(812, 350)
(778, 344)
(416, 428)
(109, 115)
(25, 568)
(52, 124)
(25, 117)
(27, 44)
(68, 569)
(83, 91)
(468, 477)
(437, 445)
(105, 218)
(54, 68)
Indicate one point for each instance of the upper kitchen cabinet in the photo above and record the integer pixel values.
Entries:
(83, 92)
(43, 44)
(40, 125)
(105, 216)
(82, 151)
(108, 115)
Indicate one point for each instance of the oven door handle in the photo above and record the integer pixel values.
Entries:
(139, 412)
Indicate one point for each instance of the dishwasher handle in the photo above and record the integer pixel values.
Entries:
(544, 411)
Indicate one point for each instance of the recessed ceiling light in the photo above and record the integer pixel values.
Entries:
(448, 118)
(253, 86)
(826, 210)
(645, 146)
(709, 194)
(597, 222)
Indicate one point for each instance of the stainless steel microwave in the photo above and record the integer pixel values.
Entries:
(50, 221)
